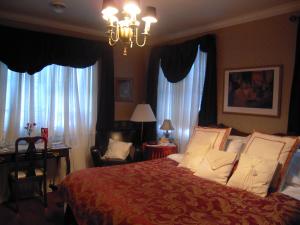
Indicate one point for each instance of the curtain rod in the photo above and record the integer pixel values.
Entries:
(294, 18)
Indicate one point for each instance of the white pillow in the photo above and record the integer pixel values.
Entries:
(235, 146)
(292, 191)
(176, 157)
(253, 174)
(240, 138)
(236, 143)
(193, 157)
(117, 150)
(273, 148)
(293, 175)
(216, 166)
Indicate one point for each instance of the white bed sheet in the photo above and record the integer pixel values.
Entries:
(292, 191)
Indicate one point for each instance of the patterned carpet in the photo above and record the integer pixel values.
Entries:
(32, 212)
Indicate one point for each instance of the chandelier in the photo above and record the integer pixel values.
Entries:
(125, 26)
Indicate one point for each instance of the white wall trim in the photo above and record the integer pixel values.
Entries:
(258, 15)
(46, 25)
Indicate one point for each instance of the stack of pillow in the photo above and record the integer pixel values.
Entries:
(257, 163)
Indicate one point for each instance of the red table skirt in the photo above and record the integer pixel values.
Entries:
(158, 151)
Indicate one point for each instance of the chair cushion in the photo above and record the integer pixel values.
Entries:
(117, 150)
(22, 173)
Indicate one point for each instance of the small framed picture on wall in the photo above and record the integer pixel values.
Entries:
(254, 91)
(124, 89)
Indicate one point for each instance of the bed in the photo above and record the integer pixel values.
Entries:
(158, 192)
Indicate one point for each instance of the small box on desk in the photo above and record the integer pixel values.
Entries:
(44, 132)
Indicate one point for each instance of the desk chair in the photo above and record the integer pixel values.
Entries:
(29, 166)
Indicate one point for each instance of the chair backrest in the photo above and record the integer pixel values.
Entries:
(26, 159)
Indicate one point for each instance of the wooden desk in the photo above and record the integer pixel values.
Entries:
(57, 152)
(158, 151)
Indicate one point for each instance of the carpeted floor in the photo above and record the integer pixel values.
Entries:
(32, 212)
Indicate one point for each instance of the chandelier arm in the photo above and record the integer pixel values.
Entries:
(137, 39)
(112, 30)
(111, 42)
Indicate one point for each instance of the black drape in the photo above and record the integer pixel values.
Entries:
(106, 100)
(294, 118)
(176, 62)
(208, 111)
(30, 51)
(152, 82)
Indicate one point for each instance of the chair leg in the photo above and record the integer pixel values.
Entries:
(45, 192)
(15, 196)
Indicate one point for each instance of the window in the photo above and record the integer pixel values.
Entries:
(181, 101)
(60, 98)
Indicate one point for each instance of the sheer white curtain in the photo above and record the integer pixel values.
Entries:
(60, 98)
(181, 101)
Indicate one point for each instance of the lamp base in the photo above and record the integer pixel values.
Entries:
(167, 134)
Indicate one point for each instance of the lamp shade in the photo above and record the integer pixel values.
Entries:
(167, 125)
(143, 113)
(150, 15)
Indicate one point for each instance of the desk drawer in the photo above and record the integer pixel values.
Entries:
(64, 152)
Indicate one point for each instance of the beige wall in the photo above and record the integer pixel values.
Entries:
(131, 66)
(260, 43)
(265, 42)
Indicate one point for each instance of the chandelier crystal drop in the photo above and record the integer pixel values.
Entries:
(125, 25)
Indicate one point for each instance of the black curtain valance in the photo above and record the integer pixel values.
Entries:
(176, 61)
(30, 51)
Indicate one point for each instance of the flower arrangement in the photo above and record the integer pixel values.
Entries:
(29, 127)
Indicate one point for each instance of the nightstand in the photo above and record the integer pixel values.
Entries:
(158, 150)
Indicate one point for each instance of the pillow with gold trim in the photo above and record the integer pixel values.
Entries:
(215, 137)
(253, 174)
(273, 148)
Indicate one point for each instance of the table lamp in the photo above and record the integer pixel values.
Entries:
(167, 125)
(142, 113)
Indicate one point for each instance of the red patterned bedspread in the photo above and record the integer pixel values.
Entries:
(158, 192)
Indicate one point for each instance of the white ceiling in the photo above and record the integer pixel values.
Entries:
(176, 18)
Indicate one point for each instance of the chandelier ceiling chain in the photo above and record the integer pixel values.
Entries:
(124, 26)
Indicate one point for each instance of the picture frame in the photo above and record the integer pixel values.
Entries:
(124, 89)
(253, 91)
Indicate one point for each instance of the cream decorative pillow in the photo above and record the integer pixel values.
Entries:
(273, 148)
(216, 166)
(253, 174)
(193, 157)
(117, 150)
(205, 135)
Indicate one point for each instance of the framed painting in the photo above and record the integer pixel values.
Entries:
(254, 91)
(123, 89)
